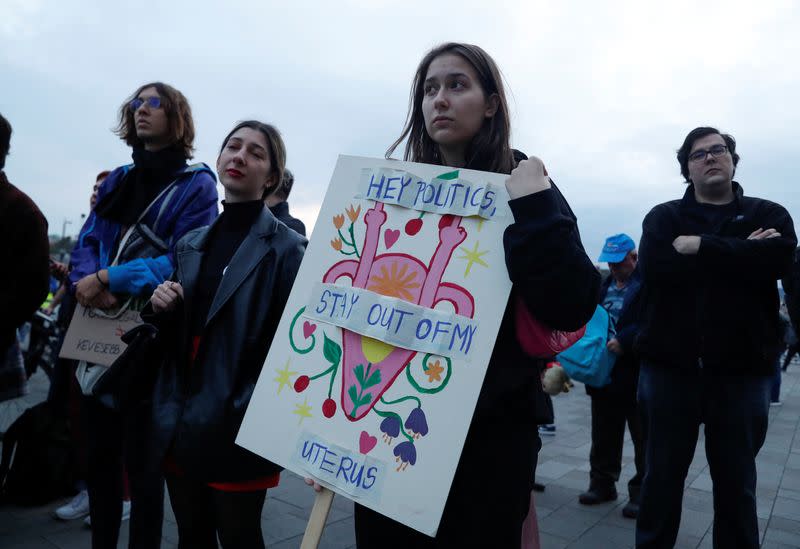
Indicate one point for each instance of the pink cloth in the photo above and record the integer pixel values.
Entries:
(530, 529)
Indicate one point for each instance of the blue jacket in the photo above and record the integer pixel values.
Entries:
(628, 321)
(193, 205)
(625, 375)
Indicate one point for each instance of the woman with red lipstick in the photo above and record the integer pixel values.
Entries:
(221, 310)
(458, 116)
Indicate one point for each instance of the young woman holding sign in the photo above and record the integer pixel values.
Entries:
(221, 310)
(459, 117)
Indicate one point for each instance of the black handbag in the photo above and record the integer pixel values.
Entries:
(130, 379)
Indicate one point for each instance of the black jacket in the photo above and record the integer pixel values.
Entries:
(721, 305)
(25, 276)
(197, 410)
(549, 268)
(558, 282)
(281, 211)
(625, 375)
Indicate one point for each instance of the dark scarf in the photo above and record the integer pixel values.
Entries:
(151, 173)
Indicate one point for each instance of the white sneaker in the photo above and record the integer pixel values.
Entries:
(126, 513)
(75, 509)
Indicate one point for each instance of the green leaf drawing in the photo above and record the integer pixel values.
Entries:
(359, 373)
(331, 350)
(448, 176)
(358, 400)
(374, 379)
(353, 392)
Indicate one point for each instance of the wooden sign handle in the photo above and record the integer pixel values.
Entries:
(316, 522)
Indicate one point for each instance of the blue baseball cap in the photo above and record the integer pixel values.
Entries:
(616, 248)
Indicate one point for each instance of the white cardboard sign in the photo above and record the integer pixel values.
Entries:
(375, 370)
(94, 336)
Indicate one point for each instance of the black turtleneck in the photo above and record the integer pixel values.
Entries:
(225, 238)
(151, 173)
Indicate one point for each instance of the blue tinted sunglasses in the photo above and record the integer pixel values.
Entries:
(152, 102)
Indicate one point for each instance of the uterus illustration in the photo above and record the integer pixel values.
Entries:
(397, 275)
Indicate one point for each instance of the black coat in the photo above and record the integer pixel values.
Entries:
(550, 270)
(25, 276)
(281, 211)
(198, 409)
(720, 305)
(558, 282)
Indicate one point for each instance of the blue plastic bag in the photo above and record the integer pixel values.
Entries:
(588, 360)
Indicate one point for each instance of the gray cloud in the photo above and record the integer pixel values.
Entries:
(604, 93)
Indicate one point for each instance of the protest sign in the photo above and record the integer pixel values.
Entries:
(374, 372)
(94, 335)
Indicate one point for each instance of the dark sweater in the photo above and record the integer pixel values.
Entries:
(718, 308)
(25, 276)
(223, 241)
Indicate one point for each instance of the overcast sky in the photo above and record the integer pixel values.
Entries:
(604, 92)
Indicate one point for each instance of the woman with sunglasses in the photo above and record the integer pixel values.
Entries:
(127, 248)
(218, 316)
(458, 116)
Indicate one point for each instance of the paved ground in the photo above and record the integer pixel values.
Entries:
(563, 522)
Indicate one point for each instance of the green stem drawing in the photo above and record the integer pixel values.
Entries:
(403, 399)
(331, 369)
(333, 354)
(291, 336)
(349, 243)
(399, 419)
(353, 240)
(344, 239)
(335, 368)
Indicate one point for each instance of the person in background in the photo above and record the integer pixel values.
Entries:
(614, 405)
(708, 338)
(126, 249)
(791, 287)
(64, 392)
(279, 206)
(216, 320)
(25, 276)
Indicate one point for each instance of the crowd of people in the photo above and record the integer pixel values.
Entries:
(695, 308)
